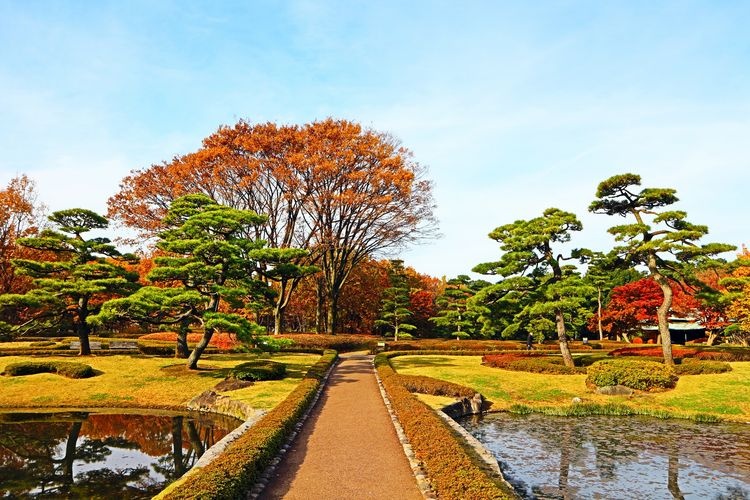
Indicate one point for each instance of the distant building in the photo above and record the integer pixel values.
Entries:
(681, 330)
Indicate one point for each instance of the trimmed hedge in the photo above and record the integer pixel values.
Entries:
(259, 370)
(700, 367)
(453, 470)
(434, 387)
(530, 362)
(636, 374)
(64, 368)
(233, 473)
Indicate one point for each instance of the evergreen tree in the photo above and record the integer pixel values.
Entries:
(457, 316)
(663, 241)
(209, 263)
(394, 311)
(532, 268)
(70, 288)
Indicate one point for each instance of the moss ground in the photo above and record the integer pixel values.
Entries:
(143, 382)
(725, 395)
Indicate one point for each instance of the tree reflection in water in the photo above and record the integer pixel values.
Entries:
(97, 455)
(618, 457)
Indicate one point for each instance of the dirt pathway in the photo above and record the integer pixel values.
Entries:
(348, 448)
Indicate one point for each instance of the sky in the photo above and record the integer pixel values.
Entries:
(513, 106)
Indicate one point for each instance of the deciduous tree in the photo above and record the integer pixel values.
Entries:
(340, 191)
(662, 240)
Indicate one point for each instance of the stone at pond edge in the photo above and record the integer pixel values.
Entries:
(465, 406)
(615, 390)
(211, 402)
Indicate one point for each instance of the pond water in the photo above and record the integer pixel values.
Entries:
(617, 457)
(101, 455)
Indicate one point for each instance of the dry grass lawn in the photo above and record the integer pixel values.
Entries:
(726, 395)
(143, 382)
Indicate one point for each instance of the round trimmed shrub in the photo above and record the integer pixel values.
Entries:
(636, 374)
(259, 370)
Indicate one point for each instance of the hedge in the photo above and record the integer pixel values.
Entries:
(531, 362)
(636, 374)
(700, 367)
(453, 472)
(434, 387)
(64, 368)
(233, 473)
(258, 370)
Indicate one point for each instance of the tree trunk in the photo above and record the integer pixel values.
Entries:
(599, 313)
(82, 328)
(332, 312)
(192, 362)
(662, 314)
(179, 463)
(320, 320)
(181, 349)
(563, 338)
(711, 337)
(278, 319)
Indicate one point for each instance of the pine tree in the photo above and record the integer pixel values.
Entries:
(209, 263)
(662, 240)
(394, 311)
(72, 287)
(457, 317)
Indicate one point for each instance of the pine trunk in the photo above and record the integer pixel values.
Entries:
(563, 338)
(662, 315)
(82, 328)
(192, 362)
(599, 313)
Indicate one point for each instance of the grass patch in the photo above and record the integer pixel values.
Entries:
(721, 396)
(141, 382)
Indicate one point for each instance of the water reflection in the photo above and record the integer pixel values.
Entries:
(618, 457)
(82, 455)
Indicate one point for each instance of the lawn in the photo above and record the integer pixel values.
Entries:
(143, 382)
(726, 395)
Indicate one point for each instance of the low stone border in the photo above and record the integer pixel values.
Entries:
(265, 477)
(210, 454)
(423, 483)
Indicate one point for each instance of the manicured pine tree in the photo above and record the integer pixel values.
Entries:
(394, 310)
(84, 273)
(530, 265)
(662, 240)
(208, 264)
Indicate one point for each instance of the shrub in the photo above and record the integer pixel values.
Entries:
(64, 368)
(698, 367)
(259, 370)
(340, 343)
(636, 374)
(233, 473)
(656, 352)
(530, 362)
(454, 473)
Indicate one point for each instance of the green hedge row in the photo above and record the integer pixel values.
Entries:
(64, 368)
(434, 387)
(453, 472)
(233, 473)
(693, 366)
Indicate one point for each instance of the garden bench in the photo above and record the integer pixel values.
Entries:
(93, 345)
(122, 345)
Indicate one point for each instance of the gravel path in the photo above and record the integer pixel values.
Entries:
(348, 448)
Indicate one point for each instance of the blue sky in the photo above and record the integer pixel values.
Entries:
(513, 106)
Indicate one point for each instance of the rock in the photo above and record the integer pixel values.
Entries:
(476, 404)
(577, 400)
(615, 390)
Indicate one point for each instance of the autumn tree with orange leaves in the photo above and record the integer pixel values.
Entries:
(334, 188)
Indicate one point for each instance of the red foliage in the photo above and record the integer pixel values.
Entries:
(219, 340)
(653, 352)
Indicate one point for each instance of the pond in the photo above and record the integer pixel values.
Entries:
(617, 457)
(101, 455)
